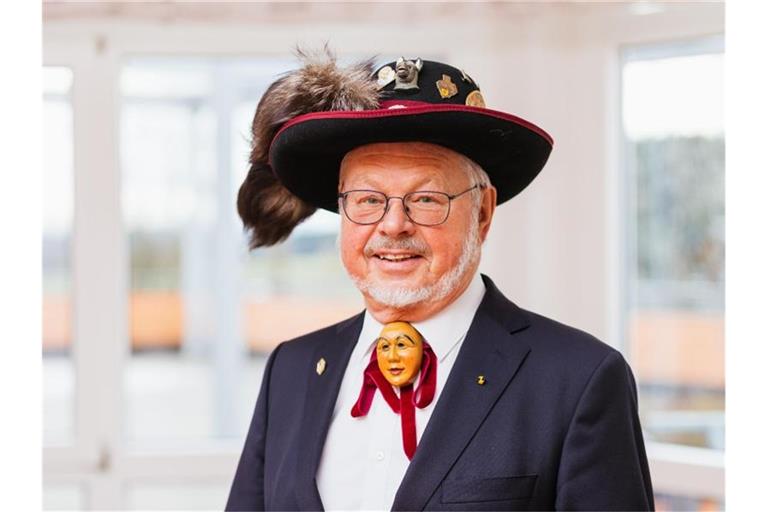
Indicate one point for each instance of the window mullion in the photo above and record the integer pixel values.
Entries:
(100, 272)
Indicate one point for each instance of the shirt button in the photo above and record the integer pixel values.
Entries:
(379, 455)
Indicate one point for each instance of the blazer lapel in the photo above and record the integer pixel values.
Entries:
(490, 349)
(322, 391)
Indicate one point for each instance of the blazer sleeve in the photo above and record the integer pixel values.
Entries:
(247, 491)
(603, 465)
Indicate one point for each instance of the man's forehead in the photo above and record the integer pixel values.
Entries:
(421, 157)
(404, 151)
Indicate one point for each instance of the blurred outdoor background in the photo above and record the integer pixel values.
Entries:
(157, 320)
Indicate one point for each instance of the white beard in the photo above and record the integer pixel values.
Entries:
(399, 297)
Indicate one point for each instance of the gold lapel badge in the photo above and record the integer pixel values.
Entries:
(481, 380)
(446, 87)
(320, 368)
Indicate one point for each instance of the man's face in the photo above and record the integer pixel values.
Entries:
(396, 260)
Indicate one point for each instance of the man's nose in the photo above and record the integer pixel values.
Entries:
(392, 355)
(395, 220)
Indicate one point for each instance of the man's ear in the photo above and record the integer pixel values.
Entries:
(487, 208)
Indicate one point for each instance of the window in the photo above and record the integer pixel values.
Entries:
(674, 161)
(203, 311)
(58, 374)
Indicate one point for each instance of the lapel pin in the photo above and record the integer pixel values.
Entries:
(481, 380)
(320, 368)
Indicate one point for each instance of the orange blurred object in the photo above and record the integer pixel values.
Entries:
(157, 321)
(675, 347)
(678, 348)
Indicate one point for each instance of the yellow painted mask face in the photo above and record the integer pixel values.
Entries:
(399, 350)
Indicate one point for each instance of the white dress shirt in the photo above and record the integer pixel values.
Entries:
(363, 460)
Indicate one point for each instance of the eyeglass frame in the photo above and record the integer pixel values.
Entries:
(342, 196)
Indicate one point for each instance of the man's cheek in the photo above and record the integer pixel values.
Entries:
(352, 255)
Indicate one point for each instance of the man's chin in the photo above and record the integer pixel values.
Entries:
(390, 282)
(394, 293)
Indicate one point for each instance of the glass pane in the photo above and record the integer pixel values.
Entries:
(58, 372)
(177, 496)
(63, 497)
(673, 122)
(204, 312)
(302, 274)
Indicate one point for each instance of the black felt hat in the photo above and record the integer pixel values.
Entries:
(419, 101)
(309, 118)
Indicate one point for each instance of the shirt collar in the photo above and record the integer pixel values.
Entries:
(442, 331)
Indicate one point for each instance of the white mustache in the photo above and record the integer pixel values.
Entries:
(409, 244)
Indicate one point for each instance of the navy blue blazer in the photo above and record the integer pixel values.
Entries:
(554, 427)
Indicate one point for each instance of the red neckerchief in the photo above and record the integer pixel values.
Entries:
(404, 405)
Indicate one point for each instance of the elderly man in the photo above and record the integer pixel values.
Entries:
(442, 394)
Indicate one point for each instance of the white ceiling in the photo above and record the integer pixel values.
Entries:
(250, 12)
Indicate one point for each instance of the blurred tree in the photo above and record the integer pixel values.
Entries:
(680, 209)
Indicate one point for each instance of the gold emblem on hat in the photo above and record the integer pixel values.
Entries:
(481, 380)
(385, 76)
(475, 99)
(446, 87)
(320, 368)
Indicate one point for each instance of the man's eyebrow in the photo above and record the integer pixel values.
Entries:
(372, 183)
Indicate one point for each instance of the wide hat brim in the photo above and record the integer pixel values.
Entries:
(307, 151)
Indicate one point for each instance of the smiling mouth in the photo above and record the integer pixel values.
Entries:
(396, 371)
(397, 257)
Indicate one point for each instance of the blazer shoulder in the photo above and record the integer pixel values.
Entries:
(574, 356)
(566, 341)
(549, 339)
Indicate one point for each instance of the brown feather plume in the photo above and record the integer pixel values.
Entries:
(269, 210)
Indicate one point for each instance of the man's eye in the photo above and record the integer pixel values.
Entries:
(370, 200)
(401, 345)
(426, 200)
(384, 346)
